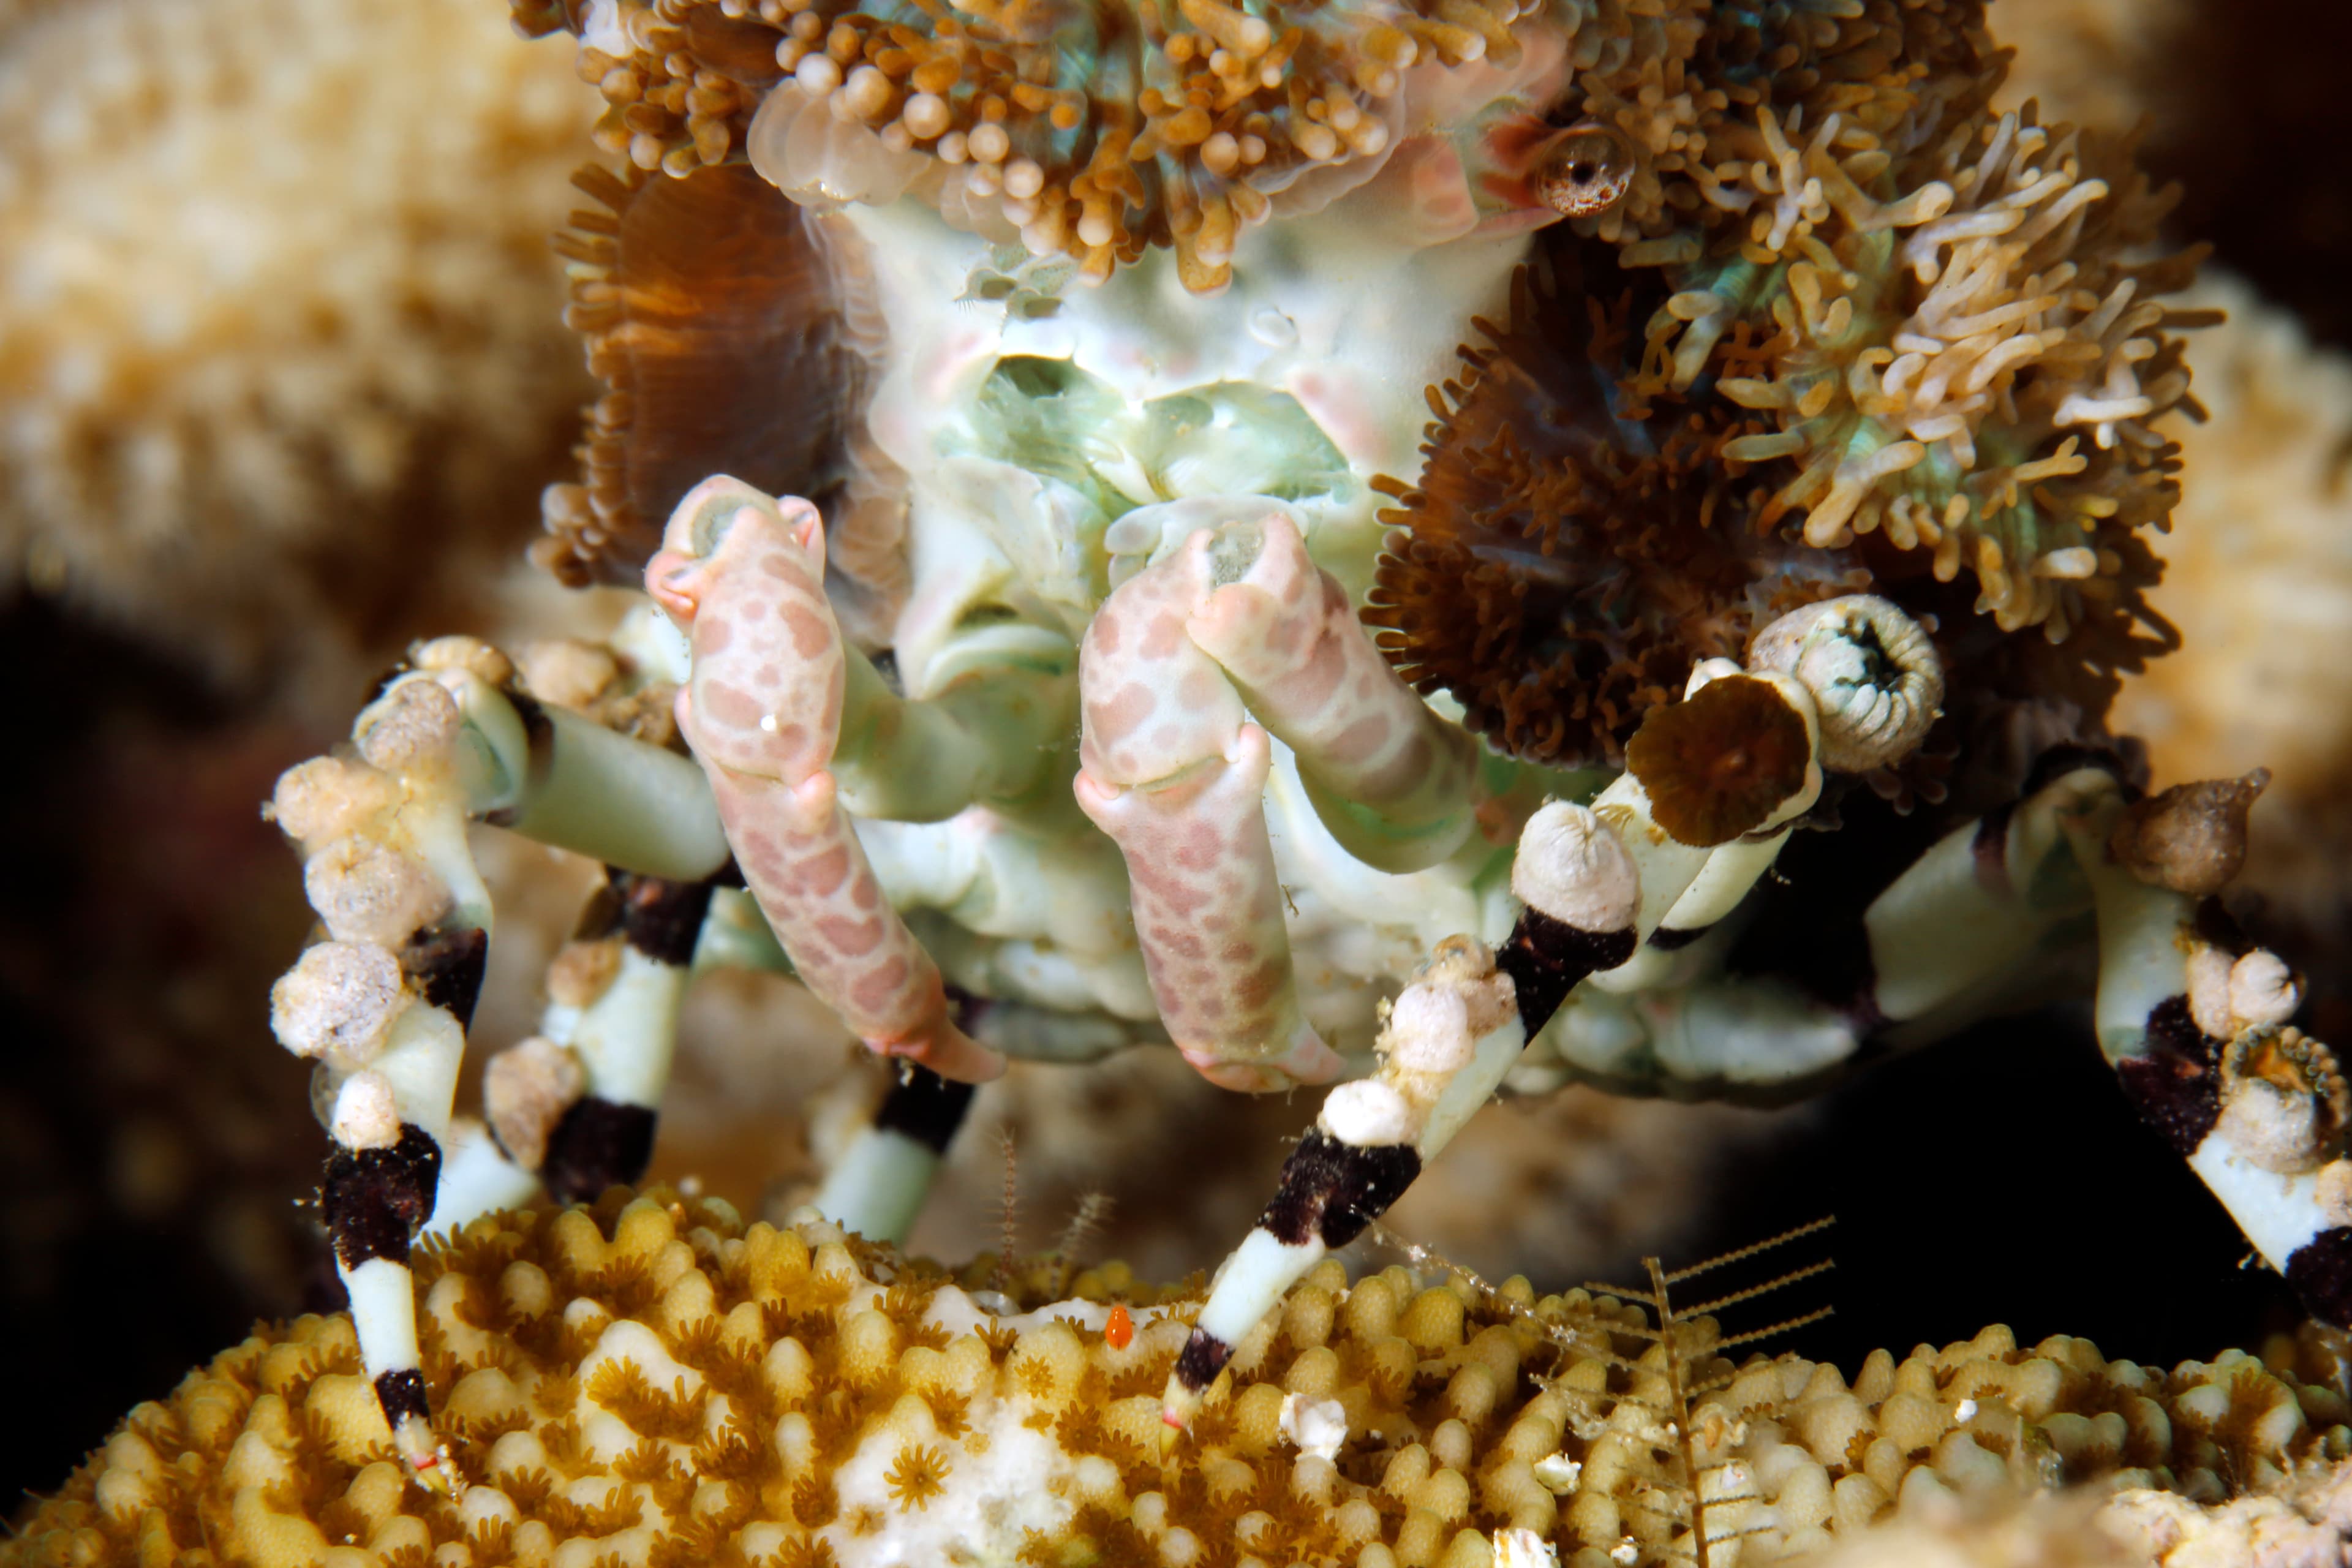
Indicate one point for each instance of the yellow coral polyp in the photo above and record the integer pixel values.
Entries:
(834, 1402)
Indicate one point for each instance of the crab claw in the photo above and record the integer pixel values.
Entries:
(743, 575)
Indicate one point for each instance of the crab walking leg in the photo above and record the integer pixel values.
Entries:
(574, 1108)
(1449, 1038)
(1979, 902)
(624, 1035)
(559, 778)
(2194, 1019)
(879, 1184)
(1593, 882)
(744, 577)
(992, 734)
(381, 1006)
(1390, 778)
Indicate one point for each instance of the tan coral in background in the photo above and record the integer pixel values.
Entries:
(2258, 579)
(280, 349)
(2090, 61)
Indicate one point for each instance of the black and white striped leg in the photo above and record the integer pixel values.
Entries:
(574, 1108)
(382, 1006)
(1447, 1042)
(374, 1201)
(878, 1186)
(625, 1036)
(2194, 1018)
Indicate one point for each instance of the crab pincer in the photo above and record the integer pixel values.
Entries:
(744, 576)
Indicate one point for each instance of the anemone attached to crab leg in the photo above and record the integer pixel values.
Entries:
(2192, 1015)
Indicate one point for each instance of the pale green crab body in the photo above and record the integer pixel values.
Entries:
(1050, 457)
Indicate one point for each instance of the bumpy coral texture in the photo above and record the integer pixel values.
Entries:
(649, 1382)
(277, 309)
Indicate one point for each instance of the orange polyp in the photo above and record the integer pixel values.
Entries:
(1118, 1329)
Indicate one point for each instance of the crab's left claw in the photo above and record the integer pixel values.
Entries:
(743, 575)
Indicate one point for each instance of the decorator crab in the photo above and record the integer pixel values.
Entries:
(1417, 545)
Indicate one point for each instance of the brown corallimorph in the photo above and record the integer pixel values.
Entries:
(649, 1381)
(1717, 764)
(1558, 585)
(710, 311)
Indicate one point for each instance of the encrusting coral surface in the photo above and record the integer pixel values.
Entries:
(648, 1381)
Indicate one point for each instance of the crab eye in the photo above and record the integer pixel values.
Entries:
(1587, 171)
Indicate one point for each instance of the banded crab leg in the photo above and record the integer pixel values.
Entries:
(2194, 1019)
(744, 576)
(383, 1005)
(1947, 941)
(1239, 623)
(882, 1178)
(574, 1108)
(1593, 882)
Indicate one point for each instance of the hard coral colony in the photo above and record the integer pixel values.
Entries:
(653, 1381)
(1066, 626)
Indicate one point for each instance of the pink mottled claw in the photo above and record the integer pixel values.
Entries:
(1288, 635)
(1175, 773)
(744, 577)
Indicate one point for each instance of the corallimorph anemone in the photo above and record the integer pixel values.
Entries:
(724, 327)
(652, 1382)
(1559, 570)
(1885, 332)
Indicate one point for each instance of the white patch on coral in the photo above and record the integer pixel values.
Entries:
(1001, 1480)
(1557, 1473)
(1524, 1549)
(1317, 1426)
(957, 1312)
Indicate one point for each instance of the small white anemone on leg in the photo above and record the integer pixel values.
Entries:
(1446, 1045)
(382, 1007)
(2258, 1108)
